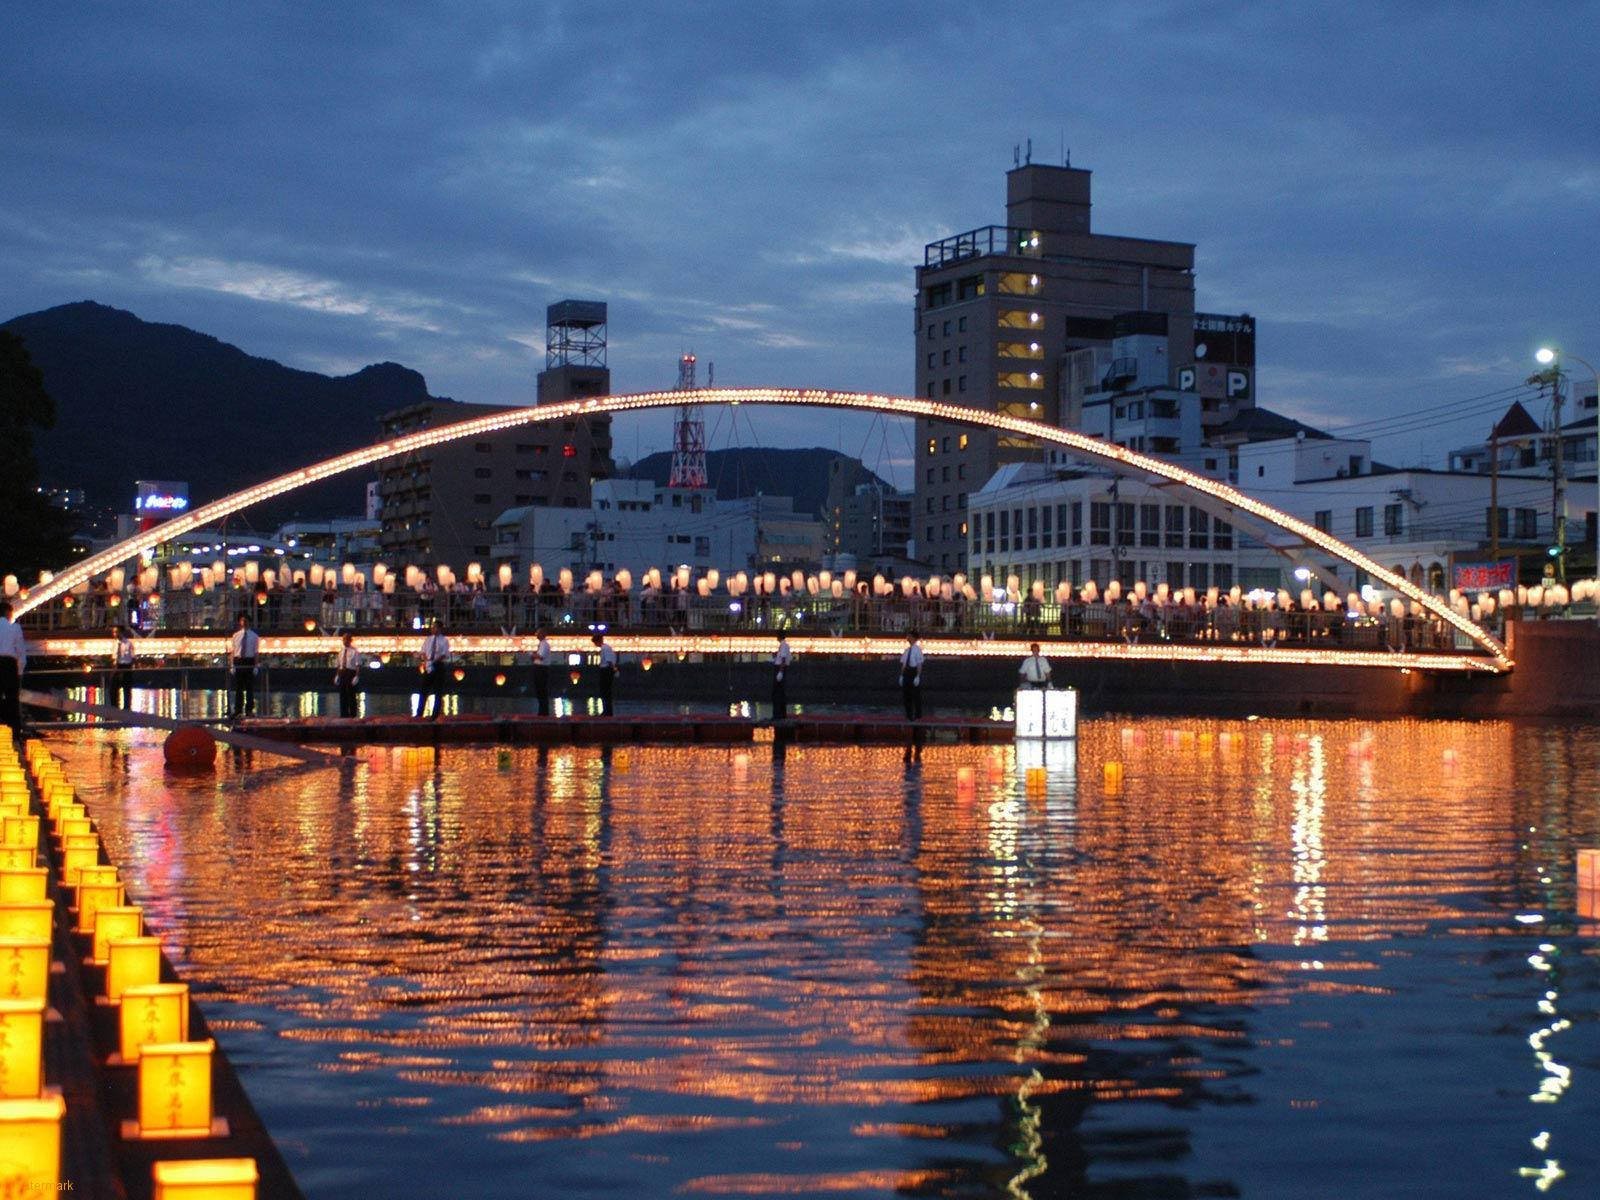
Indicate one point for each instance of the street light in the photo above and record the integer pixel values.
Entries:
(1551, 356)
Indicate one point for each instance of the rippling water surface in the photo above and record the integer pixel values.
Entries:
(1330, 959)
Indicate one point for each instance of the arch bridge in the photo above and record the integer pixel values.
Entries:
(1476, 649)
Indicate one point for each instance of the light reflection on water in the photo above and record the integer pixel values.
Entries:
(1284, 960)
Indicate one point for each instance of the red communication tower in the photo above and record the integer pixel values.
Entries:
(688, 435)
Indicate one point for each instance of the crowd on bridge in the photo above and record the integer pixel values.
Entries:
(765, 602)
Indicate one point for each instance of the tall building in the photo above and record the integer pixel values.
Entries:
(438, 505)
(1018, 318)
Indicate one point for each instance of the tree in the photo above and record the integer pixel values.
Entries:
(34, 534)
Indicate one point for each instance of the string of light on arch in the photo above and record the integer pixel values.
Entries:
(1128, 461)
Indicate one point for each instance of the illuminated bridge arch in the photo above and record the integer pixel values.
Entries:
(1278, 530)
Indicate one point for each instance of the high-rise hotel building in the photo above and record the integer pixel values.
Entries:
(1018, 318)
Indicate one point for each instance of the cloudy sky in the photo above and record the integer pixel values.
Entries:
(1406, 196)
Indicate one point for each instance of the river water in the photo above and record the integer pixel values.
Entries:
(1284, 959)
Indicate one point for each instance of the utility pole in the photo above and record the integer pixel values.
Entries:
(1559, 501)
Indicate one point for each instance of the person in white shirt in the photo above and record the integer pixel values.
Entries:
(911, 677)
(542, 658)
(13, 664)
(435, 657)
(243, 648)
(608, 673)
(1035, 669)
(345, 675)
(122, 659)
(781, 659)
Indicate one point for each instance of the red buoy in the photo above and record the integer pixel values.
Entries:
(190, 747)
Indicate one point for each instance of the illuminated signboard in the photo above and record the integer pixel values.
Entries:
(160, 497)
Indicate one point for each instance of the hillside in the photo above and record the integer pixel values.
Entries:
(137, 400)
(735, 473)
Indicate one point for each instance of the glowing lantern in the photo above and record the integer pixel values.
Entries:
(536, 577)
(24, 968)
(175, 1089)
(91, 899)
(22, 884)
(624, 579)
(311, 624)
(1113, 778)
(21, 1048)
(504, 573)
(133, 962)
(113, 922)
(500, 680)
(564, 580)
(18, 857)
(76, 857)
(30, 1131)
(73, 826)
(702, 587)
(474, 573)
(205, 1179)
(19, 831)
(154, 1013)
(646, 663)
(459, 674)
(27, 920)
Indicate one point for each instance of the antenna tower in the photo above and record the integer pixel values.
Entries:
(688, 435)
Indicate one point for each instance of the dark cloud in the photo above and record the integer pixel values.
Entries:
(1404, 195)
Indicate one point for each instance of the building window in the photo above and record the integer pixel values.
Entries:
(1099, 523)
(961, 351)
(961, 383)
(961, 442)
(1077, 522)
(946, 359)
(933, 445)
(1500, 517)
(1174, 533)
(969, 287)
(1364, 522)
(961, 470)
(944, 474)
(961, 327)
(1150, 525)
(1323, 520)
(930, 331)
(1528, 523)
(988, 531)
(930, 390)
(482, 473)
(483, 447)
(1221, 536)
(1033, 529)
(944, 445)
(482, 498)
(947, 323)
(1017, 318)
(931, 359)
(1199, 529)
(1125, 527)
(1391, 520)
(946, 388)
(944, 501)
(930, 503)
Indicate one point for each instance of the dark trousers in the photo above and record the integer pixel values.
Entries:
(780, 698)
(434, 687)
(244, 689)
(911, 693)
(10, 702)
(121, 686)
(541, 688)
(347, 695)
(608, 679)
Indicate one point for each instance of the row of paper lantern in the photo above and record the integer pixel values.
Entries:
(153, 1016)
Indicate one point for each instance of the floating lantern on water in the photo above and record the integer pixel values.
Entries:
(1113, 777)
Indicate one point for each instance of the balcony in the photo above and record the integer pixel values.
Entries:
(976, 243)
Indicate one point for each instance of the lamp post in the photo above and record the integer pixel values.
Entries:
(1551, 356)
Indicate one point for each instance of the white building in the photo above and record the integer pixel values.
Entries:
(636, 524)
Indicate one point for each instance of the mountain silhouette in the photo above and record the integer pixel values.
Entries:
(139, 400)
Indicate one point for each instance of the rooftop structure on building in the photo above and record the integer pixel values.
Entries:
(438, 505)
(1031, 317)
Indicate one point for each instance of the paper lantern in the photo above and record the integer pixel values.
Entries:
(564, 580)
(113, 923)
(130, 962)
(535, 577)
(30, 1131)
(18, 857)
(702, 587)
(91, 899)
(1113, 777)
(474, 572)
(79, 826)
(27, 920)
(21, 1050)
(175, 1089)
(23, 884)
(205, 1179)
(24, 968)
(152, 1013)
(77, 856)
(19, 831)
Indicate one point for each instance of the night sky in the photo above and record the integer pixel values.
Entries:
(1406, 196)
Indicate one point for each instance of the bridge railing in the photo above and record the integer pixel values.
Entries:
(291, 611)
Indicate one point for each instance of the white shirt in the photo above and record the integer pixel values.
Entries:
(911, 660)
(124, 653)
(782, 657)
(608, 657)
(1035, 669)
(244, 644)
(542, 655)
(435, 649)
(12, 643)
(349, 658)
